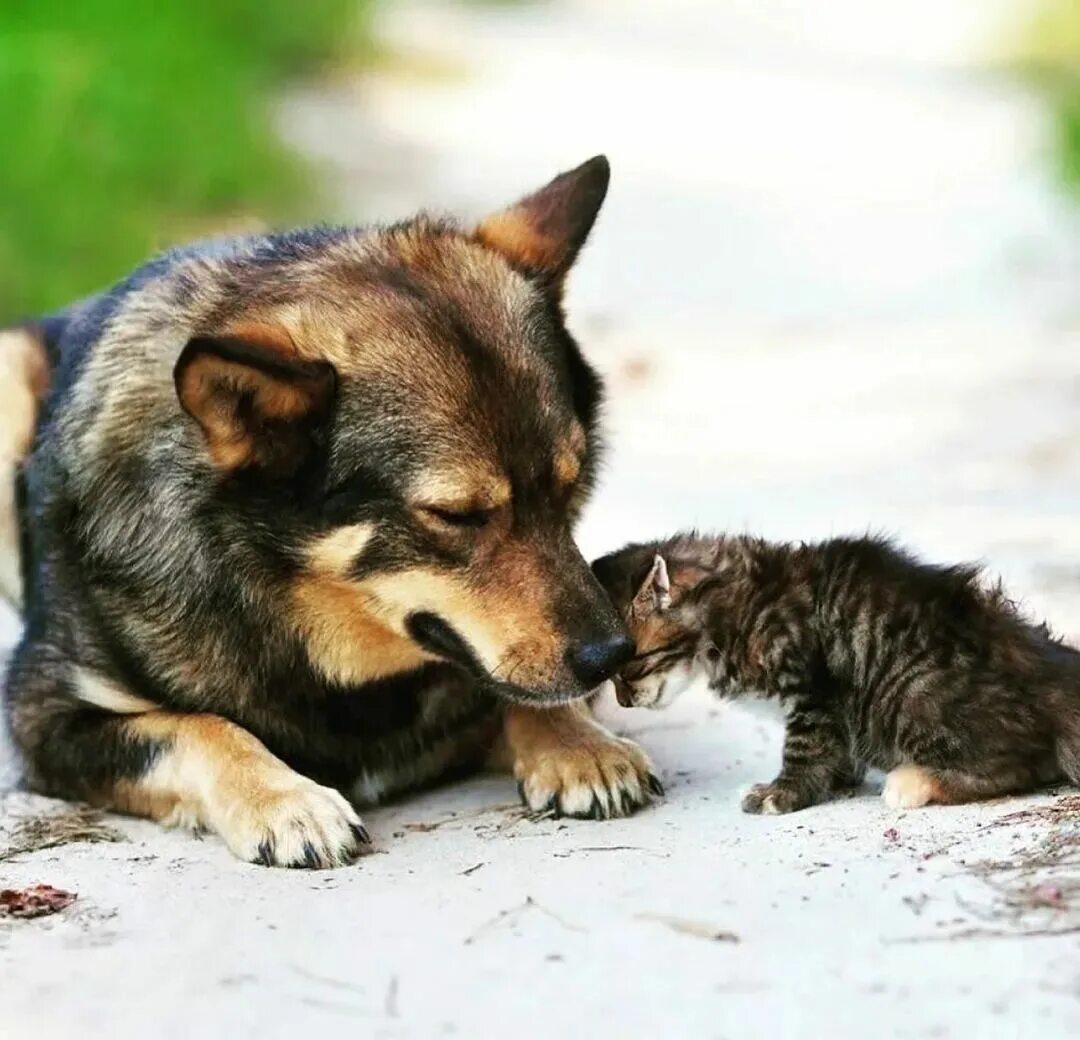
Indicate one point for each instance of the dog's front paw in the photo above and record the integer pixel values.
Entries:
(598, 779)
(291, 821)
(773, 799)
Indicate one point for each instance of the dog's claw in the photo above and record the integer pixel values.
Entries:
(603, 778)
(265, 856)
(311, 857)
(360, 833)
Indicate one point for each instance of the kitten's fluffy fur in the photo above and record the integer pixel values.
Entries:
(879, 660)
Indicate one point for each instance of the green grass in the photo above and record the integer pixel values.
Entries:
(1048, 51)
(130, 125)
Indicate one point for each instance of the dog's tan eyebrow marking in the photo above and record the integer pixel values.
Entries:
(567, 467)
(335, 552)
(568, 455)
(460, 491)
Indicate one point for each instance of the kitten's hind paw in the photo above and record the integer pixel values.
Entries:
(773, 799)
(910, 787)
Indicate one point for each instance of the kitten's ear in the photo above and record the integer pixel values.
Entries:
(542, 234)
(655, 591)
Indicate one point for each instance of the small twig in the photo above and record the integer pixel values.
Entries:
(426, 827)
(327, 980)
(555, 917)
(1066, 808)
(985, 933)
(988, 868)
(392, 998)
(513, 913)
(609, 848)
(502, 915)
(697, 929)
(332, 1005)
(69, 826)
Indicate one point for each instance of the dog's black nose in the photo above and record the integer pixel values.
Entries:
(593, 662)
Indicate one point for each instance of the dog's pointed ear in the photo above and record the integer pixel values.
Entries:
(655, 591)
(542, 234)
(258, 403)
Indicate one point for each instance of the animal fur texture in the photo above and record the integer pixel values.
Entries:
(879, 660)
(297, 530)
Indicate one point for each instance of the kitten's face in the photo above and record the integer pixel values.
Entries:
(666, 632)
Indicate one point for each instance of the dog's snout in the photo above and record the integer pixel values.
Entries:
(595, 660)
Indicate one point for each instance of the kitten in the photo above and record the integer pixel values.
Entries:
(878, 660)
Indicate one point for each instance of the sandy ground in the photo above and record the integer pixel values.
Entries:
(832, 291)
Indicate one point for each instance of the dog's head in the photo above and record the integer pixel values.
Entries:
(403, 417)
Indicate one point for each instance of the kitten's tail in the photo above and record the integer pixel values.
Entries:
(1068, 746)
(1066, 708)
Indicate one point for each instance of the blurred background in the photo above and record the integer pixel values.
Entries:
(834, 288)
(834, 284)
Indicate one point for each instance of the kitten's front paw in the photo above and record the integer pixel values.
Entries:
(598, 778)
(773, 799)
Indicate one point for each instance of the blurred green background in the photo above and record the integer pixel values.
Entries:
(1049, 53)
(129, 126)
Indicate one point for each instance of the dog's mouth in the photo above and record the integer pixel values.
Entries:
(438, 637)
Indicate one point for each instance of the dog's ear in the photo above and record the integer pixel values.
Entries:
(258, 403)
(542, 234)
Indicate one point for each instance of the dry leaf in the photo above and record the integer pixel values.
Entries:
(35, 901)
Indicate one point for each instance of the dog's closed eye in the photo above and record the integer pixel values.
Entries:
(462, 518)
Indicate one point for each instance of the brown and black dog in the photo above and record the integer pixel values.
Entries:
(296, 531)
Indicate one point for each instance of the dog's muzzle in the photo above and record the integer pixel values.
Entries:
(436, 636)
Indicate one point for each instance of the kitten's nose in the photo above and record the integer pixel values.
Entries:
(624, 693)
(593, 662)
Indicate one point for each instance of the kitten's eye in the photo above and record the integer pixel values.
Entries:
(469, 518)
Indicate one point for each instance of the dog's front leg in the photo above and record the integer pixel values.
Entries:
(565, 761)
(198, 771)
(211, 773)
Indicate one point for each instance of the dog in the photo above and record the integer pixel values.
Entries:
(295, 531)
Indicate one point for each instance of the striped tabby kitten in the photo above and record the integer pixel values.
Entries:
(879, 660)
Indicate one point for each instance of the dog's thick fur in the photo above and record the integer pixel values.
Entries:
(297, 524)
